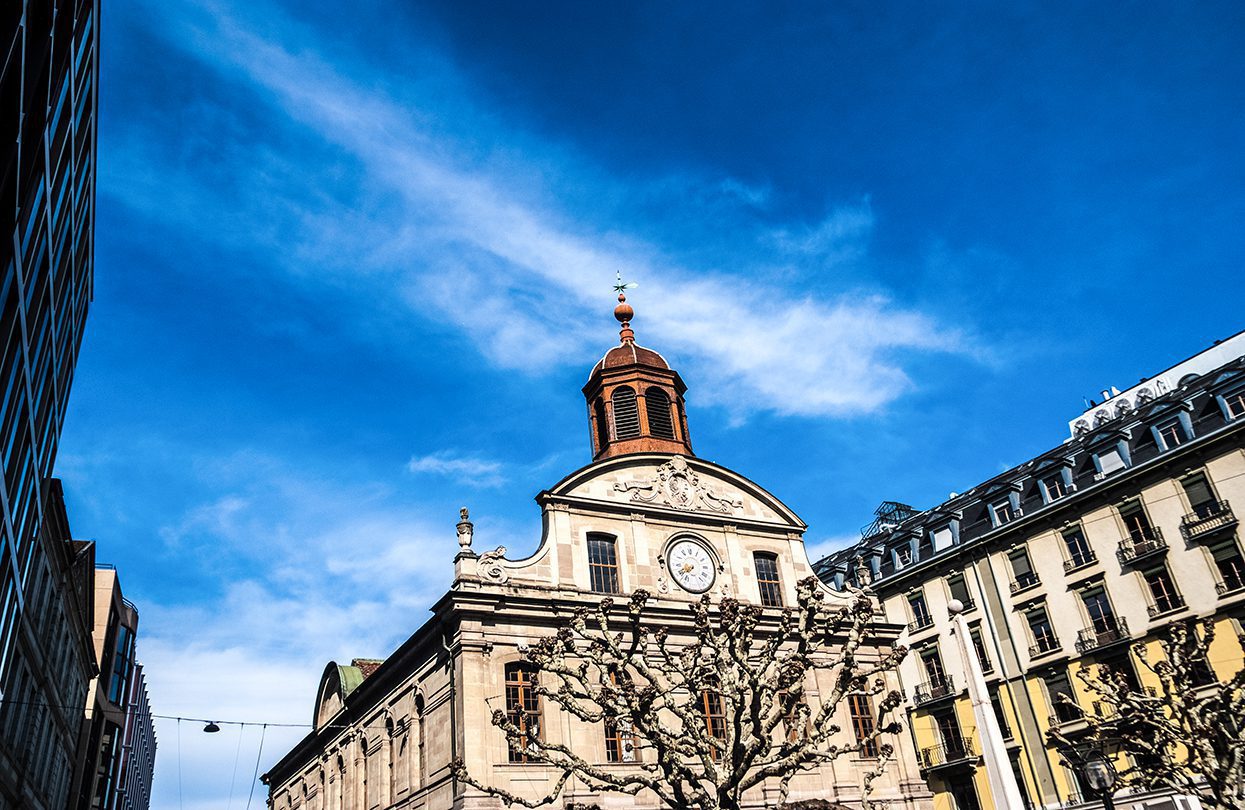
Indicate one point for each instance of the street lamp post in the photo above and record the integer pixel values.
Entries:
(1003, 787)
(1100, 775)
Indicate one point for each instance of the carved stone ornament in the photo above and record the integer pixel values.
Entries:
(490, 566)
(677, 485)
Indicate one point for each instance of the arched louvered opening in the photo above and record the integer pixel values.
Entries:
(657, 409)
(626, 414)
(602, 427)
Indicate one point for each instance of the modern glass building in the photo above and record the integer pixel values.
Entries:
(48, 93)
(48, 104)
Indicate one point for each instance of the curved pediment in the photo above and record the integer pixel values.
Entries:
(673, 484)
(335, 684)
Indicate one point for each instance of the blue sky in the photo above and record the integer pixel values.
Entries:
(352, 270)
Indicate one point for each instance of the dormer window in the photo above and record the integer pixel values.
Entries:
(657, 409)
(1002, 512)
(1171, 433)
(1108, 460)
(1234, 404)
(1054, 487)
(626, 413)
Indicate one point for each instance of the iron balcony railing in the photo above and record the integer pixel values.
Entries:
(1025, 581)
(1167, 604)
(1142, 543)
(1079, 561)
(954, 752)
(1104, 633)
(932, 690)
(920, 623)
(1045, 644)
(1207, 518)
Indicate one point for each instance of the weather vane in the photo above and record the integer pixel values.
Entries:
(619, 286)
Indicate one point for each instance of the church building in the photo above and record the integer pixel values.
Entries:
(646, 513)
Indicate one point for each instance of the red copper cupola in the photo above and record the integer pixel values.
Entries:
(635, 400)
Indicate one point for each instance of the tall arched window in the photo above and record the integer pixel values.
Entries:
(603, 428)
(423, 724)
(626, 413)
(523, 704)
(657, 408)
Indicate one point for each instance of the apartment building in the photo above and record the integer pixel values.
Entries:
(1065, 562)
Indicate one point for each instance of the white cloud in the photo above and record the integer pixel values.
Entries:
(525, 278)
(464, 469)
(820, 547)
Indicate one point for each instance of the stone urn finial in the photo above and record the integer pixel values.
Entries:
(465, 529)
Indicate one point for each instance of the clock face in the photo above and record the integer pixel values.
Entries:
(691, 566)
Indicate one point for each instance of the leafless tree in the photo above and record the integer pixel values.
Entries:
(1187, 735)
(717, 714)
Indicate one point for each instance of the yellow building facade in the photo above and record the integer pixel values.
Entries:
(1066, 562)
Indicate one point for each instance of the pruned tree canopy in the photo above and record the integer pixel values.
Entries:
(1187, 735)
(715, 712)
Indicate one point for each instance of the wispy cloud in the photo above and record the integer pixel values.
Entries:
(474, 471)
(476, 243)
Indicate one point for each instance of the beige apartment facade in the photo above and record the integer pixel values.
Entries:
(387, 732)
(1067, 562)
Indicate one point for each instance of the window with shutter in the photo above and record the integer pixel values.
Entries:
(626, 414)
(657, 409)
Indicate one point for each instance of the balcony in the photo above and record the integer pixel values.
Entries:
(959, 752)
(1025, 581)
(920, 623)
(933, 690)
(1168, 604)
(1088, 557)
(1045, 646)
(1142, 545)
(1103, 634)
(1207, 519)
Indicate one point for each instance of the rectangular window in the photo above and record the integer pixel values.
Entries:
(1079, 552)
(1231, 567)
(943, 538)
(1044, 639)
(1022, 569)
(1235, 404)
(603, 563)
(920, 611)
(1136, 522)
(767, 579)
(949, 732)
(1002, 512)
(619, 737)
(715, 717)
(1061, 697)
(1171, 434)
(1098, 608)
(997, 704)
(1163, 591)
(522, 708)
(1053, 488)
(1109, 461)
(959, 590)
(121, 665)
(1201, 498)
(863, 724)
(979, 646)
(932, 663)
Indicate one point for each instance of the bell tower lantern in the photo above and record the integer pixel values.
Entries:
(635, 400)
